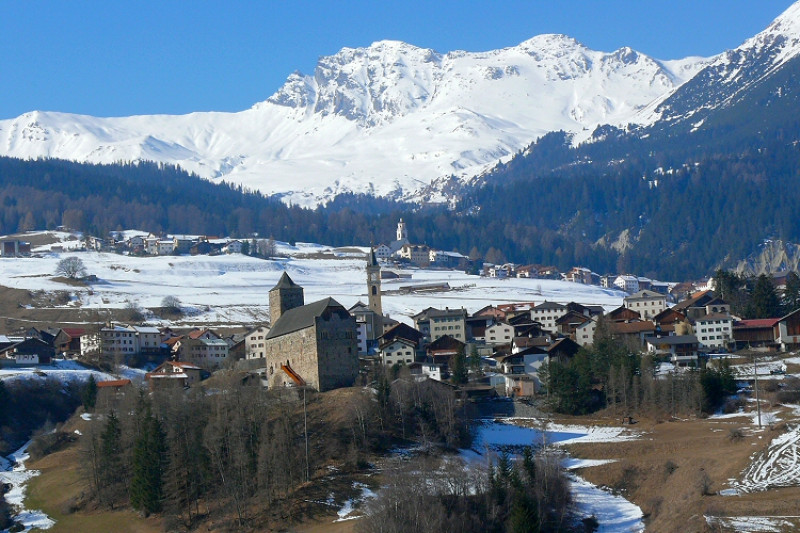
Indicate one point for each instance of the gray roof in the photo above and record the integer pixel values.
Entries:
(645, 294)
(672, 339)
(302, 317)
(285, 283)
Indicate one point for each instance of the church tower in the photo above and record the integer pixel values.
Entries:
(374, 289)
(402, 232)
(284, 296)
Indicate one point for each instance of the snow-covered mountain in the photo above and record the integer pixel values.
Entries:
(385, 120)
(732, 77)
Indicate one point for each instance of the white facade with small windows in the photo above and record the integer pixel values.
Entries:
(627, 283)
(647, 303)
(714, 331)
(584, 334)
(398, 351)
(499, 333)
(547, 313)
(254, 343)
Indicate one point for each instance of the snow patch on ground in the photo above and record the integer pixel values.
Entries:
(613, 513)
(62, 370)
(754, 524)
(346, 512)
(18, 476)
(777, 466)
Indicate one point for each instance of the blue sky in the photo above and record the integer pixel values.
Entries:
(116, 58)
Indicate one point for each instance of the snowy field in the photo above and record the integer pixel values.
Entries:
(234, 288)
(61, 370)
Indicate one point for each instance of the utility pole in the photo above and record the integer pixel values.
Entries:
(305, 431)
(755, 375)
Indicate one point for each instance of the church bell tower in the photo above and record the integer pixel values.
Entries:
(374, 289)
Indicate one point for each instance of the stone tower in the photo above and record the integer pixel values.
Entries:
(402, 232)
(284, 296)
(374, 289)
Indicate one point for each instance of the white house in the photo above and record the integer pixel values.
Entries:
(647, 303)
(714, 331)
(398, 351)
(547, 313)
(584, 334)
(499, 333)
(383, 252)
(627, 283)
(254, 342)
(233, 247)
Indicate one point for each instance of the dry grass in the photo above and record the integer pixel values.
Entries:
(676, 470)
(60, 486)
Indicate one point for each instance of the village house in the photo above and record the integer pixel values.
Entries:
(122, 339)
(499, 333)
(584, 332)
(627, 283)
(436, 323)
(383, 252)
(254, 342)
(30, 351)
(174, 374)
(204, 348)
(547, 313)
(314, 343)
(418, 254)
(582, 275)
(714, 330)
(647, 303)
(788, 331)
(398, 351)
(682, 350)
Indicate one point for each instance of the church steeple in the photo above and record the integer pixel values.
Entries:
(402, 232)
(374, 288)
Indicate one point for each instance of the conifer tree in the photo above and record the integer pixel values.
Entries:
(89, 396)
(458, 367)
(148, 465)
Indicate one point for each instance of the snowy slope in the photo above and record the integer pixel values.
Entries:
(385, 120)
(730, 76)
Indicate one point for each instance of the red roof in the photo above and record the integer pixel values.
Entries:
(74, 332)
(757, 323)
(113, 383)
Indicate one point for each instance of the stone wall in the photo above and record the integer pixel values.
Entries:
(338, 350)
(299, 350)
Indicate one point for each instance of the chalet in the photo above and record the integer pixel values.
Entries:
(569, 322)
(584, 333)
(669, 316)
(788, 331)
(582, 275)
(233, 247)
(586, 310)
(174, 374)
(204, 348)
(403, 331)
(31, 351)
(416, 254)
(756, 333)
(680, 349)
(443, 348)
(383, 252)
(528, 271)
(68, 340)
(562, 350)
(623, 314)
(647, 303)
(635, 332)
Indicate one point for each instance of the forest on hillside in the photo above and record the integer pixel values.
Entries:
(683, 221)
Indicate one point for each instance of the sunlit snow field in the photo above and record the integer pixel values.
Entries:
(234, 288)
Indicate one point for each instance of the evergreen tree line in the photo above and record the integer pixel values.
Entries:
(28, 405)
(610, 374)
(555, 205)
(756, 296)
(243, 455)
